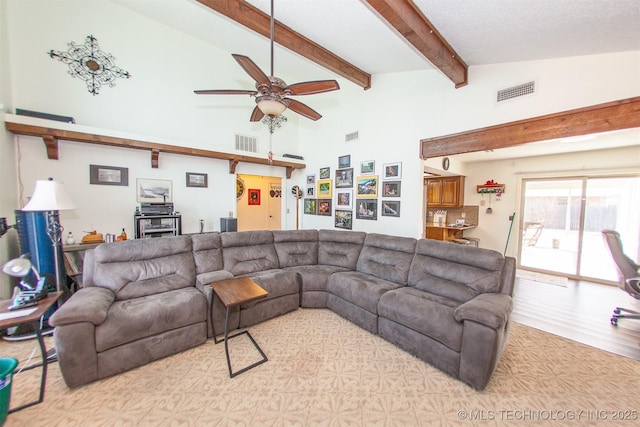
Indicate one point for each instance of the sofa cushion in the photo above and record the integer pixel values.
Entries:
(207, 252)
(296, 247)
(359, 289)
(387, 257)
(277, 282)
(429, 314)
(246, 252)
(340, 248)
(454, 271)
(137, 318)
(136, 268)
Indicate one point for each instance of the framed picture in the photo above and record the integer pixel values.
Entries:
(367, 167)
(311, 179)
(391, 189)
(153, 191)
(393, 171)
(367, 186)
(390, 208)
(310, 206)
(343, 219)
(344, 178)
(254, 196)
(311, 191)
(324, 207)
(197, 180)
(344, 161)
(344, 199)
(367, 209)
(108, 175)
(324, 189)
(325, 173)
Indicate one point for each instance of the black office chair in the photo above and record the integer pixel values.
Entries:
(628, 275)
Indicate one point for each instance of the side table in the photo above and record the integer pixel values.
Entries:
(233, 292)
(33, 319)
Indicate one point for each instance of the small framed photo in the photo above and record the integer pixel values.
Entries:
(367, 209)
(344, 199)
(310, 206)
(325, 173)
(254, 196)
(367, 167)
(311, 191)
(391, 208)
(393, 171)
(324, 189)
(391, 189)
(344, 161)
(367, 186)
(344, 178)
(153, 191)
(324, 207)
(343, 219)
(108, 175)
(197, 180)
(311, 179)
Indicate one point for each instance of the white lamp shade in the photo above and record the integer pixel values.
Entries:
(49, 195)
(18, 267)
(271, 107)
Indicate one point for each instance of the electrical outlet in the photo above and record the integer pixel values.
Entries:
(430, 213)
(463, 215)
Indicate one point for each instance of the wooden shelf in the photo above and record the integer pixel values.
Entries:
(52, 131)
(490, 189)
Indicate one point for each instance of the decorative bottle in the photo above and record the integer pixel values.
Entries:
(123, 235)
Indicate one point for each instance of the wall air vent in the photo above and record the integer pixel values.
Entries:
(247, 143)
(351, 136)
(516, 91)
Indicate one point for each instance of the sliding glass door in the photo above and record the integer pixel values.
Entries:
(562, 220)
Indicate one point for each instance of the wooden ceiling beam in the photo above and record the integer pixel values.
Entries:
(610, 116)
(256, 20)
(409, 21)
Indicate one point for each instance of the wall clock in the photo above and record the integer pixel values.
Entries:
(239, 188)
(445, 163)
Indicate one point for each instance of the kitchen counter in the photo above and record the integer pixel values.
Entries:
(446, 232)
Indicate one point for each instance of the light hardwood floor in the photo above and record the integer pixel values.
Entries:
(580, 312)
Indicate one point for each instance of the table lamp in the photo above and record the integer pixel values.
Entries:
(51, 197)
(21, 267)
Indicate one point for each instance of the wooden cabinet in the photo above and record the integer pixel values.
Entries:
(445, 191)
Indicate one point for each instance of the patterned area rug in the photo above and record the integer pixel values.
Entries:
(323, 370)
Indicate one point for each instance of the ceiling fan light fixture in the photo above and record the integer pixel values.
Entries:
(271, 107)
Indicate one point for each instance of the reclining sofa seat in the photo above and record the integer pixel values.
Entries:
(139, 303)
(454, 312)
(383, 265)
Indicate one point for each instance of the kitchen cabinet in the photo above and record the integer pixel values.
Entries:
(445, 191)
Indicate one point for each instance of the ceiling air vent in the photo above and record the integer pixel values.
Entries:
(516, 91)
(247, 143)
(351, 136)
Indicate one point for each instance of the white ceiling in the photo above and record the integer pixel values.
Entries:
(481, 32)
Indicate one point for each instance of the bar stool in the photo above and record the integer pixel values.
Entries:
(474, 241)
(461, 241)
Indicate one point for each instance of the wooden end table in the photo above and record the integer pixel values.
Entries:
(33, 319)
(233, 292)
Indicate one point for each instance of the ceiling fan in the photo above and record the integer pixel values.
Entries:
(272, 93)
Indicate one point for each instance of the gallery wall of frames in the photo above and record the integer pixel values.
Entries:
(358, 190)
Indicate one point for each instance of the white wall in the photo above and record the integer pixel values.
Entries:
(166, 65)
(7, 164)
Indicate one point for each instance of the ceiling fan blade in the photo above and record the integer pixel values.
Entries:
(225, 92)
(256, 115)
(310, 88)
(303, 109)
(252, 69)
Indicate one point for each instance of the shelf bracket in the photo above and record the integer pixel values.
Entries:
(155, 155)
(51, 142)
(232, 165)
(289, 172)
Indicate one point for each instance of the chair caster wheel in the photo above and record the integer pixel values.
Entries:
(616, 311)
(614, 321)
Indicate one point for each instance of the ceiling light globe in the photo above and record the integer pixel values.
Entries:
(271, 107)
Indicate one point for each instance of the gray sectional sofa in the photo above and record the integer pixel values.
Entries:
(149, 298)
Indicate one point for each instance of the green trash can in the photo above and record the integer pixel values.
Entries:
(7, 366)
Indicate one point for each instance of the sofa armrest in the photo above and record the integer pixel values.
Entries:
(488, 309)
(87, 305)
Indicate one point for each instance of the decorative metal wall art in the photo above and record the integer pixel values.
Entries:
(90, 64)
